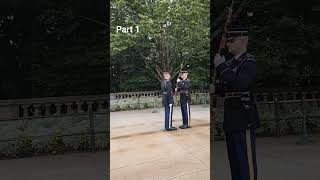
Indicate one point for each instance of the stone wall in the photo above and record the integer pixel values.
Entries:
(46, 124)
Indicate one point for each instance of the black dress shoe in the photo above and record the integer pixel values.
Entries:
(171, 129)
(183, 127)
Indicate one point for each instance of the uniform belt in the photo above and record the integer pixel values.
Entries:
(185, 91)
(164, 93)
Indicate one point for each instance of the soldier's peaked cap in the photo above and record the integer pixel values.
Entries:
(184, 70)
(237, 31)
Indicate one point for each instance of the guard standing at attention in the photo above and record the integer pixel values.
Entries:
(167, 101)
(183, 85)
(237, 77)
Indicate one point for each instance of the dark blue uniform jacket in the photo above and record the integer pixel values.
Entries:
(239, 76)
(166, 89)
(183, 88)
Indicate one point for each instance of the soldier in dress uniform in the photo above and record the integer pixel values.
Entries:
(183, 85)
(237, 76)
(167, 101)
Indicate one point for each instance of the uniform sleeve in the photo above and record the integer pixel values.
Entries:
(188, 84)
(241, 81)
(169, 92)
(179, 86)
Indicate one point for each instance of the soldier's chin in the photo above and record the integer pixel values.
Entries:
(231, 52)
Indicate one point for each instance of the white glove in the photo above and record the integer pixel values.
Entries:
(175, 89)
(170, 105)
(218, 60)
(178, 80)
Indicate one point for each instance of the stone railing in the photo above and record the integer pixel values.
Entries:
(271, 97)
(126, 95)
(55, 106)
(285, 96)
(151, 99)
(281, 112)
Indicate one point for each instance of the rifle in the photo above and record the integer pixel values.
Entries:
(215, 81)
(223, 37)
(176, 89)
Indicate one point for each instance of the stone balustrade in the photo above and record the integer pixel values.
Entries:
(286, 96)
(150, 99)
(127, 95)
(265, 97)
(280, 113)
(59, 106)
(53, 106)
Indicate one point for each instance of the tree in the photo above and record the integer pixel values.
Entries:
(53, 48)
(171, 33)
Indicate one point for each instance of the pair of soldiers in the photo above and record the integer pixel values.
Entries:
(237, 76)
(183, 85)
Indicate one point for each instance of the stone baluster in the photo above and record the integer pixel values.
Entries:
(69, 109)
(265, 97)
(313, 97)
(48, 110)
(25, 110)
(304, 95)
(255, 97)
(37, 110)
(99, 107)
(275, 96)
(90, 105)
(96, 104)
(73, 107)
(58, 108)
(79, 109)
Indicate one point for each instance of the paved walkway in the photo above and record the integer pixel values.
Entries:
(278, 158)
(141, 150)
(78, 166)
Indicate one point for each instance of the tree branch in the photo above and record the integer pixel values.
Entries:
(93, 20)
